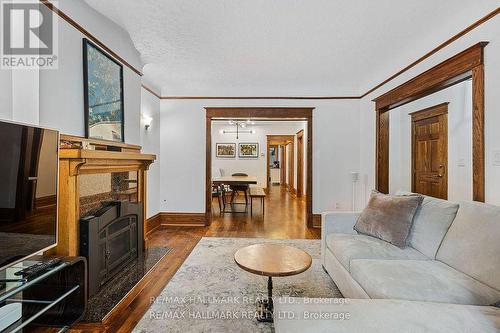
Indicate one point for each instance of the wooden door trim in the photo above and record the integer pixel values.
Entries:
(291, 167)
(283, 165)
(300, 164)
(268, 175)
(277, 113)
(465, 65)
(276, 140)
(430, 112)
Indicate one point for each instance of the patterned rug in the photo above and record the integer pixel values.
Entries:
(210, 293)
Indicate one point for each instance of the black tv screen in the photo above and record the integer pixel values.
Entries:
(28, 191)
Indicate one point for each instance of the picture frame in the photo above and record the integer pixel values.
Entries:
(103, 94)
(248, 150)
(225, 150)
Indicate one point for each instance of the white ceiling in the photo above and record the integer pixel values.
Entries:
(283, 48)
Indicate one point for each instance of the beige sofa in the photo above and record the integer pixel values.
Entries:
(451, 270)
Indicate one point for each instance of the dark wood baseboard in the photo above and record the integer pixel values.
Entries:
(183, 219)
(49, 200)
(317, 221)
(153, 223)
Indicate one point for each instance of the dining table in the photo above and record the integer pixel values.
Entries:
(235, 180)
(232, 181)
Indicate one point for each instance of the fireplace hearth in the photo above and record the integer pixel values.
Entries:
(110, 239)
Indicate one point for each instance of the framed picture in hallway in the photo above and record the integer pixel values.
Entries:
(225, 150)
(248, 150)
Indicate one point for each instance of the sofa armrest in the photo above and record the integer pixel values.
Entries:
(336, 222)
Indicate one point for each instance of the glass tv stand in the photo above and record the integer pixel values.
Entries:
(56, 298)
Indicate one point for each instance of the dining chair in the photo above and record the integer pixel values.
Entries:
(217, 191)
(239, 187)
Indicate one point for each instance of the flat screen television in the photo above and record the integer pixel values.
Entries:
(28, 191)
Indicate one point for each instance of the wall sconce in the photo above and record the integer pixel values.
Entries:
(147, 122)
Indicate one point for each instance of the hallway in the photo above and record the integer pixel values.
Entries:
(284, 218)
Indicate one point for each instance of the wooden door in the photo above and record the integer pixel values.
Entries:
(300, 163)
(430, 151)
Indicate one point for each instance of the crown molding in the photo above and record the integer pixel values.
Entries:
(261, 97)
(436, 49)
(150, 91)
(441, 46)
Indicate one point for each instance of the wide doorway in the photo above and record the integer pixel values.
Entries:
(259, 172)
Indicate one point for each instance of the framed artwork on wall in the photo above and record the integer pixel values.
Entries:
(103, 94)
(248, 150)
(225, 150)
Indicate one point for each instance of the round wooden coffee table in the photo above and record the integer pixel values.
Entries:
(271, 260)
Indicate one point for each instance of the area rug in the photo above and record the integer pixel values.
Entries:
(110, 294)
(210, 293)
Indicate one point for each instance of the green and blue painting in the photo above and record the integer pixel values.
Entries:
(104, 96)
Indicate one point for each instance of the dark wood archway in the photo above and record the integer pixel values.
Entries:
(468, 64)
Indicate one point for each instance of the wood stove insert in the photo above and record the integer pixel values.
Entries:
(111, 239)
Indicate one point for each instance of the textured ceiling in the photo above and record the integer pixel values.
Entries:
(283, 48)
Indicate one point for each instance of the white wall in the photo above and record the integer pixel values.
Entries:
(150, 142)
(25, 96)
(6, 95)
(486, 32)
(20, 91)
(459, 168)
(54, 98)
(61, 90)
(252, 166)
(335, 151)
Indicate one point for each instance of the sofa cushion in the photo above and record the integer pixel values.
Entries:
(432, 220)
(297, 315)
(472, 244)
(420, 280)
(389, 217)
(348, 247)
(342, 278)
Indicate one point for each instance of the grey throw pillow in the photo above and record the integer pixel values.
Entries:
(389, 217)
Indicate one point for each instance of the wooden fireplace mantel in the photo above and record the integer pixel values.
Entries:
(79, 156)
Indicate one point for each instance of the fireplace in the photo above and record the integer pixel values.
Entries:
(110, 239)
(102, 196)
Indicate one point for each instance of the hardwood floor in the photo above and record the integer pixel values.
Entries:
(284, 218)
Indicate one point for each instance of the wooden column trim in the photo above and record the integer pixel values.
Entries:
(382, 152)
(208, 171)
(309, 186)
(478, 147)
